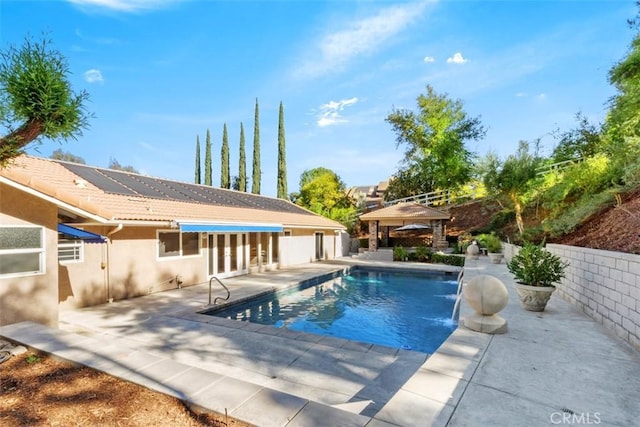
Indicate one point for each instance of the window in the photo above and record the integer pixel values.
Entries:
(190, 244)
(174, 243)
(70, 250)
(21, 250)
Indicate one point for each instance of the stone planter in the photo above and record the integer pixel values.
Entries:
(496, 257)
(534, 298)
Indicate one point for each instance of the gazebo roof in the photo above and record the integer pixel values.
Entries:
(405, 211)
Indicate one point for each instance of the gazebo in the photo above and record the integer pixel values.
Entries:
(381, 221)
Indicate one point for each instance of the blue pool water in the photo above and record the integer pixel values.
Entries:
(398, 309)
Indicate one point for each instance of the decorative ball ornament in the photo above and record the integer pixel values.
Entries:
(487, 295)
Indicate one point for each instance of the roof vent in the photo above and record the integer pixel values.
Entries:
(80, 183)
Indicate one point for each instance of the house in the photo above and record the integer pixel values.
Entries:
(73, 235)
(369, 197)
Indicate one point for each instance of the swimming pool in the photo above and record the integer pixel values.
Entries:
(395, 308)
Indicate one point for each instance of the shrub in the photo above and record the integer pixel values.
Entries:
(535, 266)
(579, 211)
(423, 253)
(400, 253)
(491, 242)
(448, 259)
(364, 243)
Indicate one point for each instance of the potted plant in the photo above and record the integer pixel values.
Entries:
(536, 272)
(494, 247)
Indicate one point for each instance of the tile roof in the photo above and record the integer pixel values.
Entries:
(411, 211)
(123, 196)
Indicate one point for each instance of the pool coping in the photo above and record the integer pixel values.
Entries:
(472, 379)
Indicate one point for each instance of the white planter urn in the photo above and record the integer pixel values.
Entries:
(496, 257)
(473, 250)
(534, 298)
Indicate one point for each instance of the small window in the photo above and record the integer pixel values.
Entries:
(174, 244)
(190, 244)
(70, 250)
(21, 251)
(169, 244)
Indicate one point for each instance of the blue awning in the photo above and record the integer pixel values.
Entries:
(229, 228)
(76, 233)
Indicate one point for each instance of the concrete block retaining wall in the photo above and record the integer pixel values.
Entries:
(604, 285)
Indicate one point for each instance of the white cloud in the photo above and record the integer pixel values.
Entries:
(124, 5)
(541, 96)
(457, 58)
(359, 37)
(93, 76)
(522, 94)
(330, 112)
(429, 59)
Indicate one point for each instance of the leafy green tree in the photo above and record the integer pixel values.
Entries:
(435, 137)
(235, 183)
(583, 141)
(408, 181)
(115, 165)
(198, 174)
(282, 160)
(66, 156)
(514, 177)
(208, 170)
(256, 173)
(225, 178)
(36, 99)
(323, 192)
(622, 127)
(242, 168)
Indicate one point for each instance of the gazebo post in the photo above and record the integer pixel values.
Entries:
(438, 238)
(373, 236)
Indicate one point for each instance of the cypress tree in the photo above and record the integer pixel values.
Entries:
(198, 175)
(225, 178)
(282, 161)
(255, 187)
(207, 160)
(242, 172)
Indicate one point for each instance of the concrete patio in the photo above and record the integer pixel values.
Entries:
(555, 367)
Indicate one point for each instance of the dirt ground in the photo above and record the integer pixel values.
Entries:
(38, 390)
(616, 228)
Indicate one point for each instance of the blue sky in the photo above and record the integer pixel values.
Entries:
(160, 72)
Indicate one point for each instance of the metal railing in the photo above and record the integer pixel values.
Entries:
(438, 197)
(221, 284)
(558, 166)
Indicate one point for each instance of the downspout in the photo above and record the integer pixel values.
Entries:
(109, 234)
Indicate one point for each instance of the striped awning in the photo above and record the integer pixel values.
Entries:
(229, 228)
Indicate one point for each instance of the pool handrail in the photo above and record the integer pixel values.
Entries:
(221, 284)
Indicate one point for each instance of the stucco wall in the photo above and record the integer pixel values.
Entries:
(299, 248)
(604, 285)
(32, 297)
